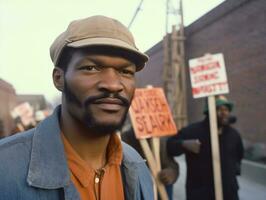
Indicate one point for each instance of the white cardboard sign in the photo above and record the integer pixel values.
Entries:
(208, 75)
(25, 112)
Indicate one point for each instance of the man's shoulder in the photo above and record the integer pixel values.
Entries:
(233, 129)
(136, 167)
(195, 127)
(233, 132)
(10, 142)
(15, 154)
(15, 151)
(130, 154)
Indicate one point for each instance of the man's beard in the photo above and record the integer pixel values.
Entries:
(223, 121)
(89, 120)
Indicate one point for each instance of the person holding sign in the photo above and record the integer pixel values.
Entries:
(194, 142)
(75, 153)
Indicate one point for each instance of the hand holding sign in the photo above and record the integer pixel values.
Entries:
(192, 145)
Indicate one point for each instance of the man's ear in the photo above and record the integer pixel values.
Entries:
(58, 78)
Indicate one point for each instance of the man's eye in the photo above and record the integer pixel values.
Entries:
(88, 68)
(127, 72)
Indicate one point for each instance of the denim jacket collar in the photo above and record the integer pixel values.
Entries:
(48, 166)
(129, 170)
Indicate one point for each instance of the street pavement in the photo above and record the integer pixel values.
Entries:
(249, 190)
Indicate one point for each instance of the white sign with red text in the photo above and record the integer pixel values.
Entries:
(208, 75)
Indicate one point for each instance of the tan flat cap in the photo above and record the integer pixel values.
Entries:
(97, 31)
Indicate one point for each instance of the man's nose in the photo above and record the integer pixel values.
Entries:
(110, 81)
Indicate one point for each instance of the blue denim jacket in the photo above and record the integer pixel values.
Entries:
(33, 167)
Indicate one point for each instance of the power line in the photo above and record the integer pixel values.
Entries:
(135, 14)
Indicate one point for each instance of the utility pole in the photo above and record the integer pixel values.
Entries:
(174, 76)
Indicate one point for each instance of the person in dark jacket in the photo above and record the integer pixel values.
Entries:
(194, 142)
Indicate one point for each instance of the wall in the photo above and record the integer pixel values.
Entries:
(237, 29)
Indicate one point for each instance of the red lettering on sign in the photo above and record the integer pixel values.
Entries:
(205, 77)
(150, 114)
(209, 88)
(209, 66)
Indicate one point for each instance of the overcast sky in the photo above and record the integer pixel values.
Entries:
(28, 27)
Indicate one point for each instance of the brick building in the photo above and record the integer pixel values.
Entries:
(238, 30)
(37, 101)
(9, 100)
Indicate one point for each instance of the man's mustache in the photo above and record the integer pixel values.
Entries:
(92, 99)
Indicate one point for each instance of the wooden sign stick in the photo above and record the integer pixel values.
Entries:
(155, 146)
(153, 167)
(156, 151)
(215, 149)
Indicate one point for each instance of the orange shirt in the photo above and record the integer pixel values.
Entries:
(104, 184)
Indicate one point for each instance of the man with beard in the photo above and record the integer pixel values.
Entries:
(194, 142)
(75, 153)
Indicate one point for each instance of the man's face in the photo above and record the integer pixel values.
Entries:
(223, 115)
(98, 90)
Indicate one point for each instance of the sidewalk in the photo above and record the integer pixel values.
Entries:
(249, 189)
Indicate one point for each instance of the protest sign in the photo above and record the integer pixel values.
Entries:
(151, 118)
(25, 112)
(208, 78)
(150, 114)
(208, 75)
